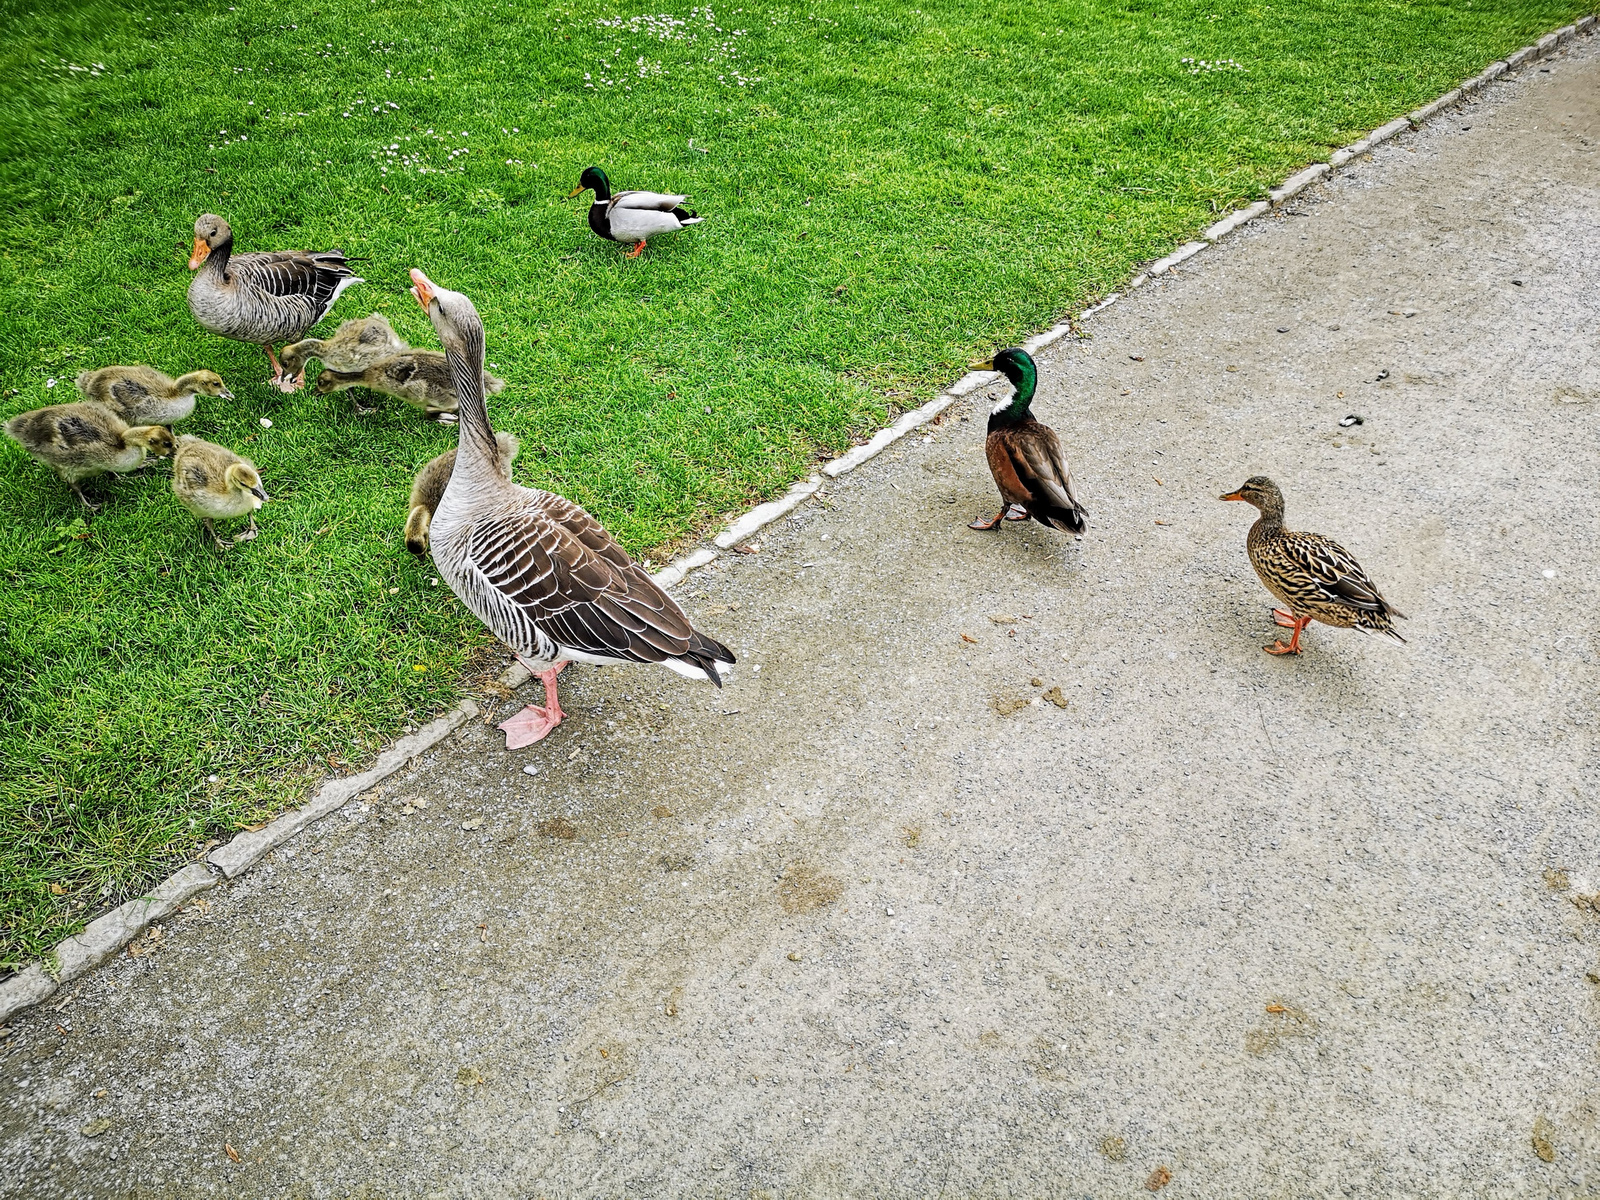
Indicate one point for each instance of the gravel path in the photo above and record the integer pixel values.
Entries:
(891, 915)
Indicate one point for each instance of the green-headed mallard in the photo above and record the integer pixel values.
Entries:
(1025, 455)
(85, 439)
(214, 483)
(145, 396)
(632, 216)
(262, 297)
(541, 573)
(1315, 577)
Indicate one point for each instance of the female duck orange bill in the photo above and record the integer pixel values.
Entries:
(535, 568)
(1316, 578)
(1025, 455)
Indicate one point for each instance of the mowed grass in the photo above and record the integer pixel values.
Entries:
(888, 190)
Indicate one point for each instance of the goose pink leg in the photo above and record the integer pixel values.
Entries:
(533, 722)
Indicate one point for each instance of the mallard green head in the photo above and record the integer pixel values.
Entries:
(1017, 366)
(592, 178)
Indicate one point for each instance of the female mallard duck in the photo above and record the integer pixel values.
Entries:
(354, 345)
(632, 216)
(146, 396)
(82, 440)
(431, 481)
(1314, 576)
(262, 297)
(1025, 456)
(214, 483)
(535, 568)
(420, 377)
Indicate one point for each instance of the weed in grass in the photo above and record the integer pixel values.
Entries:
(888, 190)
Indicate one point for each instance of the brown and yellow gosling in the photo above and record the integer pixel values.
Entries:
(428, 488)
(1315, 577)
(82, 440)
(145, 396)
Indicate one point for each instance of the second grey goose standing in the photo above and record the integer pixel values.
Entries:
(265, 296)
(538, 570)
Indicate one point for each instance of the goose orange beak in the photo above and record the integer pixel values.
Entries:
(1231, 496)
(421, 288)
(199, 255)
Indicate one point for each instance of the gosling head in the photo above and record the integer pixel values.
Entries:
(242, 477)
(203, 383)
(152, 439)
(210, 231)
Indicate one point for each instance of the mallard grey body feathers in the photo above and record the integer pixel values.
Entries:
(84, 439)
(145, 396)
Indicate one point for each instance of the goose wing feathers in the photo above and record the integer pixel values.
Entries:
(294, 277)
(548, 576)
(1332, 571)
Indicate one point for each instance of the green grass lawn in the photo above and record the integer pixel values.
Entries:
(888, 190)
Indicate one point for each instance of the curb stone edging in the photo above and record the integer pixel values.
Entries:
(106, 935)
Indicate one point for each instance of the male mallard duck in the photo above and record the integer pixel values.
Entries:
(84, 439)
(431, 481)
(354, 345)
(214, 483)
(262, 297)
(541, 573)
(1025, 456)
(1314, 576)
(632, 216)
(420, 377)
(146, 396)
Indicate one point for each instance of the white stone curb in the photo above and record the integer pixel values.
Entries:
(246, 849)
(108, 934)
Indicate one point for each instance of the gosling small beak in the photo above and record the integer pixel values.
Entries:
(986, 365)
(1231, 496)
(259, 494)
(422, 288)
(225, 394)
(577, 191)
(200, 252)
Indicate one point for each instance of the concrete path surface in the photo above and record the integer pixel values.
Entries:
(1007, 865)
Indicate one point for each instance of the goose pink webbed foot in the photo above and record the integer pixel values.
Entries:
(534, 722)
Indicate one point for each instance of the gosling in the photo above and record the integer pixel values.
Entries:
(214, 483)
(354, 345)
(145, 396)
(418, 377)
(429, 486)
(82, 440)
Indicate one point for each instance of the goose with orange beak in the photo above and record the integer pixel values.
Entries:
(263, 297)
(540, 572)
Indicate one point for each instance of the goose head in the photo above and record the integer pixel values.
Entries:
(242, 477)
(454, 318)
(152, 439)
(210, 231)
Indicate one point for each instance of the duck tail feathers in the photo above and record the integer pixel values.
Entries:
(687, 216)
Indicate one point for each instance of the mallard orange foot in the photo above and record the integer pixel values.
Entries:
(1298, 625)
(534, 722)
(992, 523)
(636, 251)
(1016, 513)
(1284, 617)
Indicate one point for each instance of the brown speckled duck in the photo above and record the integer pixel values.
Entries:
(1025, 455)
(1315, 577)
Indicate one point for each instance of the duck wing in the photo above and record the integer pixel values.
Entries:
(635, 216)
(1030, 460)
(550, 582)
(1335, 573)
(660, 201)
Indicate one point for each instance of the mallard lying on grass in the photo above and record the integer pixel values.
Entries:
(214, 483)
(419, 377)
(1025, 456)
(145, 396)
(355, 345)
(632, 216)
(535, 568)
(434, 477)
(1315, 577)
(262, 297)
(79, 441)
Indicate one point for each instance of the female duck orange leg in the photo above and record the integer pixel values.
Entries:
(1298, 625)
